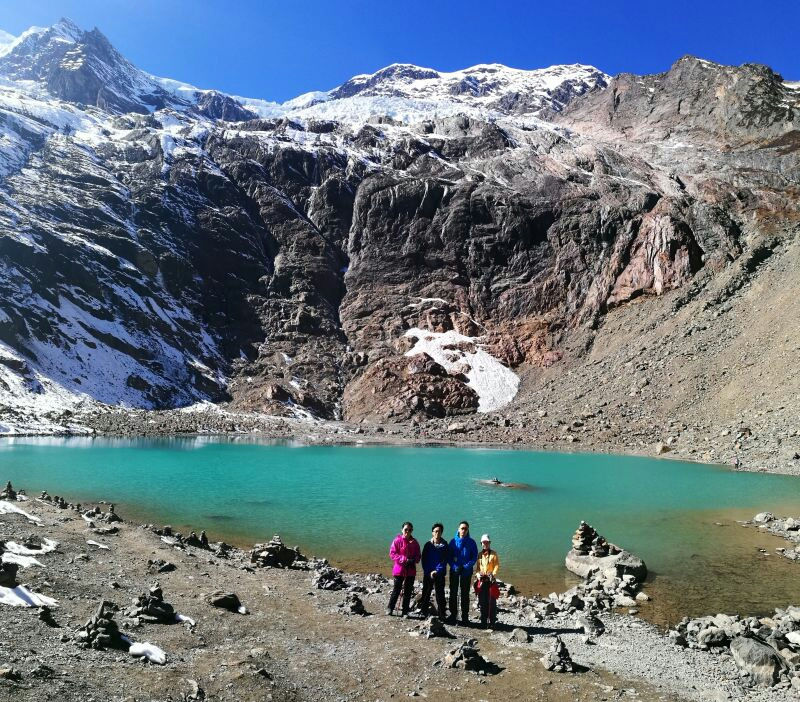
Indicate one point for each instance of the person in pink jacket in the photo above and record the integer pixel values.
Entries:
(405, 555)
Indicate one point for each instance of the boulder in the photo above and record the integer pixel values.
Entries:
(758, 659)
(226, 600)
(519, 636)
(622, 563)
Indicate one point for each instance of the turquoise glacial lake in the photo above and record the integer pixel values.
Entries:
(347, 503)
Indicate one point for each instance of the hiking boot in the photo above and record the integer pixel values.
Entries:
(388, 611)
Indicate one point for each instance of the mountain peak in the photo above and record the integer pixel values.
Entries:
(65, 28)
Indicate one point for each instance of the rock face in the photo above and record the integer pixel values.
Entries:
(153, 255)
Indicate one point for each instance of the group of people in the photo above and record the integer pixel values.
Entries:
(461, 556)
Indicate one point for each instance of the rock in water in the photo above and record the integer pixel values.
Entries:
(590, 552)
(557, 658)
(757, 658)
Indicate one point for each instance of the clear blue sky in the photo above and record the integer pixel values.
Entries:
(279, 49)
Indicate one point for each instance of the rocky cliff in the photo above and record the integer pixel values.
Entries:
(410, 244)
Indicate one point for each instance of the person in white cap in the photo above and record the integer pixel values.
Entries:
(488, 565)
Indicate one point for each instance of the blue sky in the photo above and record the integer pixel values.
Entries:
(279, 49)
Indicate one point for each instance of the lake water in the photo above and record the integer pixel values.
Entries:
(346, 503)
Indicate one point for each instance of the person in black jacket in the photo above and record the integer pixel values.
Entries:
(435, 559)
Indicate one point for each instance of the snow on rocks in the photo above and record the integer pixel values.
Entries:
(21, 596)
(10, 508)
(495, 384)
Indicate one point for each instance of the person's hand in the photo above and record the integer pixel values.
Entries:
(455, 569)
(401, 560)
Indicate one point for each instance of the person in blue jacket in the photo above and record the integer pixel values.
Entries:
(463, 554)
(435, 557)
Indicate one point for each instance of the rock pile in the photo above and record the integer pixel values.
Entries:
(353, 605)
(328, 578)
(766, 648)
(466, 657)
(591, 552)
(151, 607)
(8, 492)
(557, 658)
(101, 630)
(586, 541)
(276, 555)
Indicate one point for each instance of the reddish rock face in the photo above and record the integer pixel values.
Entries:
(397, 388)
(663, 256)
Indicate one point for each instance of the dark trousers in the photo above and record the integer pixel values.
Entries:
(429, 582)
(459, 581)
(406, 584)
(487, 604)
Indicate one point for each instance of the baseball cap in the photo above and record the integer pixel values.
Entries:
(485, 537)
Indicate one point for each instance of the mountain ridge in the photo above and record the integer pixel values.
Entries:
(205, 248)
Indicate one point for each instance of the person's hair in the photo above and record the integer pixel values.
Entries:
(438, 524)
(407, 524)
(464, 521)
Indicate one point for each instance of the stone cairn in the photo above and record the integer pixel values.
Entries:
(557, 658)
(587, 542)
(353, 605)
(328, 578)
(466, 657)
(8, 492)
(276, 555)
(151, 607)
(101, 630)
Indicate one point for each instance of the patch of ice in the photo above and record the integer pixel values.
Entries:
(47, 546)
(97, 543)
(495, 384)
(24, 561)
(183, 618)
(149, 651)
(8, 508)
(21, 596)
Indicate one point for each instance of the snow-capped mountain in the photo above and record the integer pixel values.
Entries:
(162, 244)
(81, 67)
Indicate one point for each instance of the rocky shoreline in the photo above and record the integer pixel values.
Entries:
(117, 596)
(544, 430)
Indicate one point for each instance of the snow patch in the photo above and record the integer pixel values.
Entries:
(21, 596)
(495, 384)
(149, 651)
(9, 508)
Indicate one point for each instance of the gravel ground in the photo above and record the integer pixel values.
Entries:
(296, 644)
